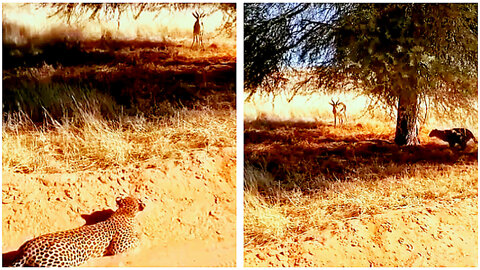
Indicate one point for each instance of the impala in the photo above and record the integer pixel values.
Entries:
(339, 111)
(198, 29)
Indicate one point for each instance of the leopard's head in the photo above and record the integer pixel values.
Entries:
(434, 132)
(129, 205)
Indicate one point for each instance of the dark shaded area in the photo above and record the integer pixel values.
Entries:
(98, 216)
(286, 148)
(61, 52)
(9, 257)
(134, 77)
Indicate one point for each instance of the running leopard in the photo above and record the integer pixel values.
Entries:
(74, 247)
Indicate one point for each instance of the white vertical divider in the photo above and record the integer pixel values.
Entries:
(240, 157)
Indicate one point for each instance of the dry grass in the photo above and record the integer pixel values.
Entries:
(315, 108)
(96, 143)
(302, 174)
(285, 215)
(184, 165)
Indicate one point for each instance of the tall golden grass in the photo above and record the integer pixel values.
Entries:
(183, 163)
(96, 143)
(284, 215)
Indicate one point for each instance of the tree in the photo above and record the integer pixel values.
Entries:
(401, 54)
(282, 35)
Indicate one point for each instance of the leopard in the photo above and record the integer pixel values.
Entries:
(460, 136)
(74, 247)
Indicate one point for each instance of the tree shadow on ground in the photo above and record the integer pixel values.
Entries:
(59, 50)
(312, 150)
(138, 76)
(90, 219)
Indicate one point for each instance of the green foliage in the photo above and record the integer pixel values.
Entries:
(266, 41)
(429, 50)
(425, 53)
(283, 35)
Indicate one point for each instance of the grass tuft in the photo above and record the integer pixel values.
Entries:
(93, 142)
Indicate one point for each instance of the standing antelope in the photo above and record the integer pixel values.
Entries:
(198, 29)
(340, 111)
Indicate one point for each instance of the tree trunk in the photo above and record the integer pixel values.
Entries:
(407, 128)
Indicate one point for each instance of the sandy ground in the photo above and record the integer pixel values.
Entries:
(189, 219)
(440, 234)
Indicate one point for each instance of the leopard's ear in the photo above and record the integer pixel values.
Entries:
(122, 196)
(142, 202)
(141, 205)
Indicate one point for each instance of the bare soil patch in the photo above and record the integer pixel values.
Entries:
(191, 204)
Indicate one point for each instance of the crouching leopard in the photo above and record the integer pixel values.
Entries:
(459, 136)
(74, 247)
